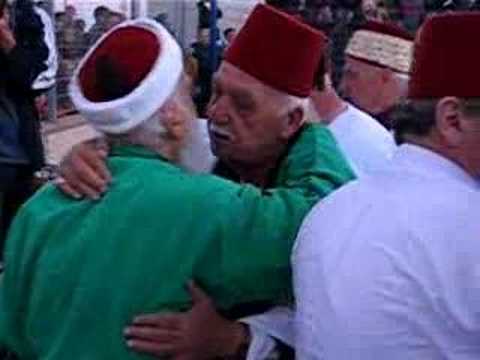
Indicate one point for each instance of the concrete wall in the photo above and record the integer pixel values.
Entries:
(235, 12)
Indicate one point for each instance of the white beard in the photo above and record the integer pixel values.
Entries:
(197, 155)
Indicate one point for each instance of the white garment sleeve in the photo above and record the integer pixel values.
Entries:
(47, 78)
(262, 346)
(265, 328)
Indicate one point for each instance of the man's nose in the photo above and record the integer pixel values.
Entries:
(217, 111)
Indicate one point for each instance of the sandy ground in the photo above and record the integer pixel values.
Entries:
(60, 138)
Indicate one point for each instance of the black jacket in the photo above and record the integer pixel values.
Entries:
(20, 140)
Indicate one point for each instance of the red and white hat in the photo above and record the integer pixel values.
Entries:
(278, 50)
(382, 44)
(446, 60)
(127, 76)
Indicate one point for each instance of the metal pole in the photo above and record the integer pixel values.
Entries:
(52, 93)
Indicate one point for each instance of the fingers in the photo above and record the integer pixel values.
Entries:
(60, 183)
(92, 171)
(85, 172)
(151, 348)
(75, 180)
(197, 294)
(99, 162)
(160, 321)
(154, 334)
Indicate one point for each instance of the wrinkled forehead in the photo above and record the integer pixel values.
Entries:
(229, 76)
(360, 67)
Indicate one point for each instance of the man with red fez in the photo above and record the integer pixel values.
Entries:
(104, 273)
(406, 288)
(377, 67)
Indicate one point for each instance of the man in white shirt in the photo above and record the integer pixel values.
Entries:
(367, 145)
(377, 65)
(407, 288)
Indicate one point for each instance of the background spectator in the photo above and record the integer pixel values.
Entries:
(229, 34)
(338, 19)
(81, 40)
(288, 6)
(114, 19)
(204, 9)
(162, 18)
(201, 53)
(23, 58)
(70, 14)
(101, 15)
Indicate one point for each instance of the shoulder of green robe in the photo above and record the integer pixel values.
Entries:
(317, 152)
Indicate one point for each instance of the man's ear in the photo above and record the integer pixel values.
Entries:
(449, 121)
(295, 120)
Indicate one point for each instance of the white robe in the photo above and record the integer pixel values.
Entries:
(368, 147)
(388, 267)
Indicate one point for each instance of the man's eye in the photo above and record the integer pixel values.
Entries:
(243, 104)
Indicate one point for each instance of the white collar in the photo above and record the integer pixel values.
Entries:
(428, 162)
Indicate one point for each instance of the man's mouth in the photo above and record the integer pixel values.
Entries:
(219, 133)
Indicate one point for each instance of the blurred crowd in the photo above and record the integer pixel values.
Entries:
(74, 39)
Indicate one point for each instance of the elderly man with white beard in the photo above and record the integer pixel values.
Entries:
(133, 251)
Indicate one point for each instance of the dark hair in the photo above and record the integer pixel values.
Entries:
(286, 5)
(413, 117)
(228, 31)
(417, 117)
(101, 11)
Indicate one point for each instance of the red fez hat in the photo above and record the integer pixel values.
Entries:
(127, 76)
(446, 61)
(278, 50)
(382, 44)
(110, 73)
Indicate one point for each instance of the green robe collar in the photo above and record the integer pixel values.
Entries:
(136, 151)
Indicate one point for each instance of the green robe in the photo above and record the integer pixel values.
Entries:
(77, 272)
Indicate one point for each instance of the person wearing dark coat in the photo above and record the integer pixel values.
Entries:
(23, 58)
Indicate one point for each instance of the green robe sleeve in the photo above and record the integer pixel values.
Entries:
(71, 264)
(259, 234)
